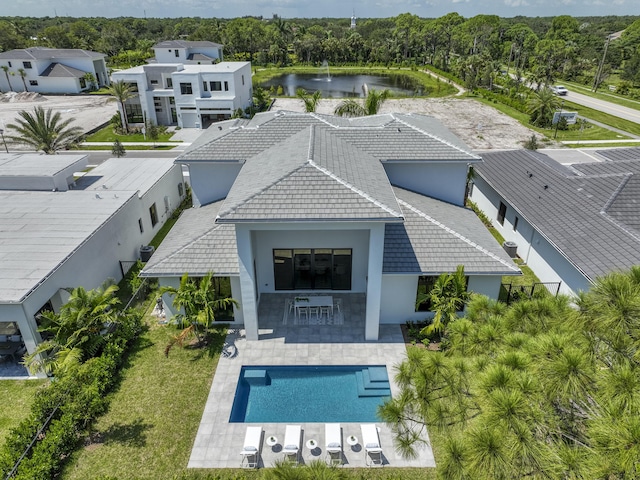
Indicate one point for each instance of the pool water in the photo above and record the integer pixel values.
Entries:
(283, 394)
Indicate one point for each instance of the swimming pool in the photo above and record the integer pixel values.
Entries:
(283, 394)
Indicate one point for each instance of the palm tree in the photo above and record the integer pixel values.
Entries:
(44, 130)
(448, 297)
(371, 106)
(122, 92)
(6, 72)
(310, 101)
(23, 75)
(199, 301)
(541, 106)
(77, 331)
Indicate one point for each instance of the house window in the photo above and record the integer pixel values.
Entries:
(177, 52)
(169, 82)
(133, 86)
(134, 112)
(186, 89)
(180, 189)
(242, 79)
(26, 64)
(34, 83)
(140, 226)
(226, 86)
(312, 269)
(425, 285)
(9, 64)
(153, 82)
(204, 86)
(502, 211)
(153, 213)
(515, 224)
(83, 83)
(215, 86)
(172, 101)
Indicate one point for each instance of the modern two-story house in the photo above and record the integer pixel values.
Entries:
(187, 85)
(287, 203)
(52, 70)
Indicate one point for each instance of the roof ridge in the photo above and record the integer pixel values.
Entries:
(351, 187)
(456, 234)
(446, 142)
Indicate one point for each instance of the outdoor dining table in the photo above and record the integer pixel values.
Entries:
(313, 301)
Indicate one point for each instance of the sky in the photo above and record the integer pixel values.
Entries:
(315, 8)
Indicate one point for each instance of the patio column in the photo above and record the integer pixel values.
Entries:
(374, 282)
(247, 282)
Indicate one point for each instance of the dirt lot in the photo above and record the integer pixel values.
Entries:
(89, 111)
(479, 126)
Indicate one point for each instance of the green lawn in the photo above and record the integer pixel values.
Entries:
(154, 415)
(16, 397)
(592, 132)
(107, 135)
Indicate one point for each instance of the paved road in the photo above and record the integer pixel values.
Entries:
(604, 106)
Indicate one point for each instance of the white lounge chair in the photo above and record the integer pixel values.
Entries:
(371, 443)
(291, 444)
(251, 447)
(333, 443)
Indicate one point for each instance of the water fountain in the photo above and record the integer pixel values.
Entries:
(325, 65)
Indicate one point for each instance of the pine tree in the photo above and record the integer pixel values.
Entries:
(118, 149)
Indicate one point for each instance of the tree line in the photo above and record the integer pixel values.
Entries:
(553, 47)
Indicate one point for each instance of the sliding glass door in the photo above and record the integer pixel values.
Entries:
(312, 269)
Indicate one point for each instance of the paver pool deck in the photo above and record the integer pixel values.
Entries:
(218, 443)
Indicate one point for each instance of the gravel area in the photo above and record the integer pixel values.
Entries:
(89, 111)
(479, 126)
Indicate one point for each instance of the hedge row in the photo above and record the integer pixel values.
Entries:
(81, 396)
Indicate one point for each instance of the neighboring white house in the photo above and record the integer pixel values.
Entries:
(570, 224)
(187, 52)
(52, 70)
(59, 231)
(190, 96)
(294, 202)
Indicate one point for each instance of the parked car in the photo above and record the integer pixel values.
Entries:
(559, 90)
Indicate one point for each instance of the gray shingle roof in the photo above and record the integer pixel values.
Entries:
(620, 154)
(196, 245)
(43, 53)
(437, 236)
(274, 147)
(199, 56)
(185, 44)
(58, 70)
(588, 217)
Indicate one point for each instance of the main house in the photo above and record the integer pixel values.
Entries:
(52, 70)
(187, 85)
(291, 202)
(571, 224)
(61, 230)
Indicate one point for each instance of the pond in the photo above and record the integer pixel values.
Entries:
(344, 85)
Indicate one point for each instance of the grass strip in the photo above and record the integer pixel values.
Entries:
(16, 397)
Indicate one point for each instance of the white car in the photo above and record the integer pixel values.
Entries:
(559, 90)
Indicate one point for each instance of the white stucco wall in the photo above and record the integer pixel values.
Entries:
(211, 182)
(444, 181)
(399, 293)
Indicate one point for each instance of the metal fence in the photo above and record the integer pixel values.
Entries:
(510, 292)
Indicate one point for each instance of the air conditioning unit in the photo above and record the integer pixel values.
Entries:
(146, 251)
(511, 248)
